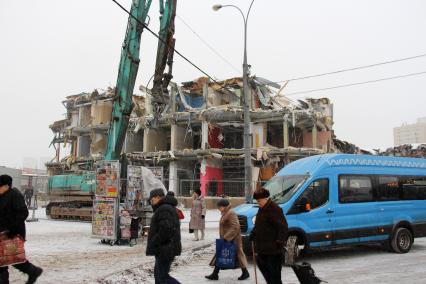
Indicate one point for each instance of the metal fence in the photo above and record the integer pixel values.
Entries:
(232, 188)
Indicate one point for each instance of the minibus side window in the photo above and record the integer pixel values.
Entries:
(388, 188)
(354, 189)
(314, 196)
(413, 188)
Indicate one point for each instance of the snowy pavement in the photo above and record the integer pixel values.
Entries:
(346, 265)
(69, 255)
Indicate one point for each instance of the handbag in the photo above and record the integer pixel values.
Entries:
(226, 254)
(12, 251)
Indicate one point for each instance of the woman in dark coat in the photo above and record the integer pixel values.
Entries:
(229, 230)
(13, 212)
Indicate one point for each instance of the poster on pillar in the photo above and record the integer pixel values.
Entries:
(107, 178)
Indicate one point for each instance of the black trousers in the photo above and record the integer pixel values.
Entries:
(270, 266)
(25, 267)
(161, 271)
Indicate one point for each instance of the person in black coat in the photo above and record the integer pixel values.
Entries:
(269, 235)
(13, 213)
(164, 241)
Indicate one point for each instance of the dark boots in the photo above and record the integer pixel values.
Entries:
(244, 275)
(4, 275)
(33, 274)
(214, 275)
(31, 270)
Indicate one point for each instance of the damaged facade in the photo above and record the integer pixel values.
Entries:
(198, 139)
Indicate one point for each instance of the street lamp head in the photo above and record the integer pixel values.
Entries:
(217, 7)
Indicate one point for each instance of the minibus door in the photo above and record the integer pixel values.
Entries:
(314, 212)
(356, 213)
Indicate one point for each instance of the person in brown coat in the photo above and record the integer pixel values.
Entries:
(229, 230)
(269, 235)
(198, 214)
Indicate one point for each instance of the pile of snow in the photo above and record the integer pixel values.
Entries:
(145, 273)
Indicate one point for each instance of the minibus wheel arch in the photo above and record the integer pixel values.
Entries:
(402, 224)
(301, 237)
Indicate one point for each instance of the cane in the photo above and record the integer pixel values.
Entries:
(254, 261)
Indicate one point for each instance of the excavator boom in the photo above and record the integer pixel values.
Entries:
(128, 69)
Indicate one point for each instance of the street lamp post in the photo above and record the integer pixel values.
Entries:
(246, 107)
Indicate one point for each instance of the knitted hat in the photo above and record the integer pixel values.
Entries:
(261, 194)
(6, 180)
(223, 203)
(156, 192)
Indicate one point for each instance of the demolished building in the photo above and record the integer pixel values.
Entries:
(198, 139)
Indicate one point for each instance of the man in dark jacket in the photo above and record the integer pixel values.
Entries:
(269, 235)
(164, 240)
(13, 213)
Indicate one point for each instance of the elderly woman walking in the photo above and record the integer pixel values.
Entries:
(198, 214)
(229, 230)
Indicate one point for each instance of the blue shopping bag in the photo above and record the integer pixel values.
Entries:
(226, 254)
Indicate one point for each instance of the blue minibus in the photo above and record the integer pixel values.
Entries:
(340, 199)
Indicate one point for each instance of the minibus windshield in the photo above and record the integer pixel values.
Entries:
(282, 188)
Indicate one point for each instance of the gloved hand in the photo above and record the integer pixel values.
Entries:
(202, 216)
(4, 235)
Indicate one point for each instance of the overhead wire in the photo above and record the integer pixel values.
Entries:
(355, 84)
(353, 68)
(164, 42)
(208, 45)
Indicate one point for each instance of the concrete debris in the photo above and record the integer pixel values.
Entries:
(406, 150)
(199, 135)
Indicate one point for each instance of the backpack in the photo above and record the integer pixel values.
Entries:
(305, 274)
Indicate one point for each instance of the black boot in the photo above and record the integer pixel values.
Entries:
(33, 274)
(244, 275)
(4, 275)
(214, 275)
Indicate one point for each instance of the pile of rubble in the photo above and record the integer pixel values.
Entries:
(406, 150)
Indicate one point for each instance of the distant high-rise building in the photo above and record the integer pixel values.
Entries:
(410, 133)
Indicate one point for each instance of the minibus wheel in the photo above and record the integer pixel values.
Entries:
(292, 250)
(402, 240)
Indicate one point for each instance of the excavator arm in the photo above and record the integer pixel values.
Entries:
(165, 51)
(128, 69)
(129, 64)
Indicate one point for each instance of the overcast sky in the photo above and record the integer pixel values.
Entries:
(50, 49)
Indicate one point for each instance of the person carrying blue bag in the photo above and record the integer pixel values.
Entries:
(229, 248)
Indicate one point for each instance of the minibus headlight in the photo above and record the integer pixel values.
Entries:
(253, 220)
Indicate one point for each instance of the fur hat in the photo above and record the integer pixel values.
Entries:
(223, 203)
(156, 192)
(261, 194)
(6, 180)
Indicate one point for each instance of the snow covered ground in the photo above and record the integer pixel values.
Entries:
(69, 255)
(347, 265)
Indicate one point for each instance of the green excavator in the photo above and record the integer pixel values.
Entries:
(73, 192)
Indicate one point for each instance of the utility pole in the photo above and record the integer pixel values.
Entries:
(248, 184)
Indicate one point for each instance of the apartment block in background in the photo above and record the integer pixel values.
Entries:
(410, 133)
